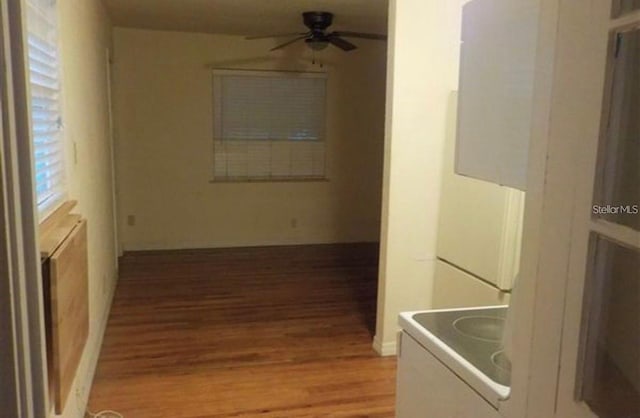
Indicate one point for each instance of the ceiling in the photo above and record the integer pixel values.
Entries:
(245, 17)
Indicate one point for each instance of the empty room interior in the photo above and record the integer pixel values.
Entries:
(320, 208)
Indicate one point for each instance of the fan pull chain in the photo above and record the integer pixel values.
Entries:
(313, 60)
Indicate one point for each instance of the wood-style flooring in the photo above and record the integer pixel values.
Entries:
(253, 332)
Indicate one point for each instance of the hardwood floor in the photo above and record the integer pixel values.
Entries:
(257, 332)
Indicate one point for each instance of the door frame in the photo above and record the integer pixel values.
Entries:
(574, 124)
(23, 373)
(10, 369)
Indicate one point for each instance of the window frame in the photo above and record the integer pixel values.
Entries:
(586, 228)
(324, 177)
(601, 229)
(50, 205)
(620, 8)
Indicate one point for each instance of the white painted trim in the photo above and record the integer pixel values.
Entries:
(10, 382)
(597, 47)
(385, 349)
(112, 147)
(511, 242)
(186, 246)
(625, 235)
(629, 18)
(574, 113)
(20, 222)
(525, 296)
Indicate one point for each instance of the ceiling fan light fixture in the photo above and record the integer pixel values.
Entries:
(317, 44)
(318, 37)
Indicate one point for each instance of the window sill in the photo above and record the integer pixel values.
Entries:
(56, 227)
(272, 180)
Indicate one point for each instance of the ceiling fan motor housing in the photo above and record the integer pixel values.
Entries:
(317, 38)
(317, 21)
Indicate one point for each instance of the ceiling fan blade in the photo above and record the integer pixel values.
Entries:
(342, 43)
(276, 35)
(348, 34)
(288, 43)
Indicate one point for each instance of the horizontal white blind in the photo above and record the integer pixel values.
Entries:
(263, 160)
(268, 125)
(45, 106)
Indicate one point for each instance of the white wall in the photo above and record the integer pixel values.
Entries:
(85, 35)
(164, 130)
(422, 72)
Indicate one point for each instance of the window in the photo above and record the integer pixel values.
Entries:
(45, 105)
(621, 7)
(610, 377)
(268, 125)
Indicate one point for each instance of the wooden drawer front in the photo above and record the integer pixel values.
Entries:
(69, 311)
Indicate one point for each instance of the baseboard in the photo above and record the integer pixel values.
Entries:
(193, 246)
(384, 349)
(96, 354)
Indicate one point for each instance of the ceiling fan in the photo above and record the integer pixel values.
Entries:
(317, 38)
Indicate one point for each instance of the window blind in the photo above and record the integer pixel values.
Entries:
(45, 105)
(268, 125)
